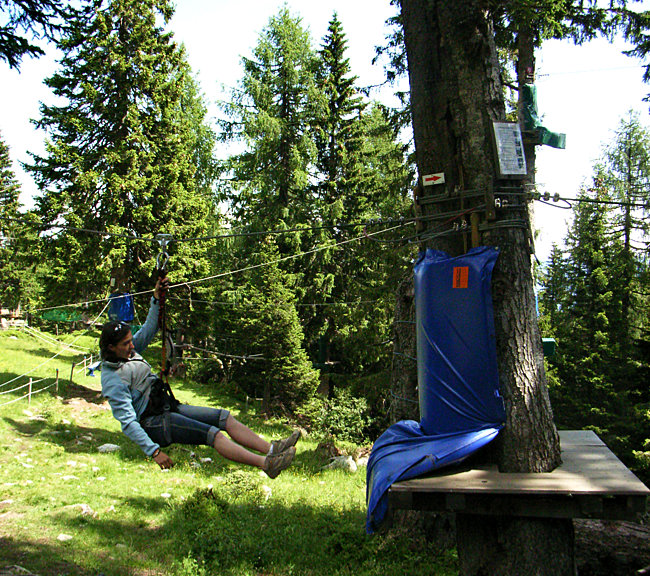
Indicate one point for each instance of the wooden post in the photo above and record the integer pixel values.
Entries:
(56, 383)
(71, 372)
(29, 392)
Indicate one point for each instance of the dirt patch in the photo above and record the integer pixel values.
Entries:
(74, 391)
(80, 405)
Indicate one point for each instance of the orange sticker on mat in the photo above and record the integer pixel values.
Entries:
(461, 276)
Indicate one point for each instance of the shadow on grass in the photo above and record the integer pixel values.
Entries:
(78, 439)
(41, 557)
(44, 352)
(229, 538)
(10, 381)
(126, 550)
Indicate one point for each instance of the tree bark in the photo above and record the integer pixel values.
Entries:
(456, 95)
(505, 546)
(404, 392)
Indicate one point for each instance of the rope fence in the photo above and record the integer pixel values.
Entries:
(30, 389)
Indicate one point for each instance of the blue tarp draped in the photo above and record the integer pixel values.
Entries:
(121, 307)
(458, 382)
(458, 379)
(404, 451)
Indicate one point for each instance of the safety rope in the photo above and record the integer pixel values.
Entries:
(161, 265)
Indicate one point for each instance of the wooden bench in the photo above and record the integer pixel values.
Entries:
(591, 483)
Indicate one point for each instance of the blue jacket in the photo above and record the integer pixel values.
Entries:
(127, 384)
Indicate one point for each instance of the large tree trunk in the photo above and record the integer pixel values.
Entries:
(456, 94)
(404, 378)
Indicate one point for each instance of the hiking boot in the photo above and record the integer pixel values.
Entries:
(282, 445)
(275, 463)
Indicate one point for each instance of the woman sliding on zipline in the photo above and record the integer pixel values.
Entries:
(153, 418)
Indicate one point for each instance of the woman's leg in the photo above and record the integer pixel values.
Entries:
(177, 427)
(235, 452)
(243, 435)
(272, 464)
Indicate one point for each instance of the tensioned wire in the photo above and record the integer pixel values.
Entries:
(223, 274)
(368, 235)
(240, 270)
(267, 232)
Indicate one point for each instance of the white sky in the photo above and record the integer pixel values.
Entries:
(582, 91)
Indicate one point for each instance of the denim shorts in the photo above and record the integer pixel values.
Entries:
(187, 424)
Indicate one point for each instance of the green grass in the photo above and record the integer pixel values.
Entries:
(67, 509)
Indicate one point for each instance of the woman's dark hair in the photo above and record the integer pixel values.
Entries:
(112, 333)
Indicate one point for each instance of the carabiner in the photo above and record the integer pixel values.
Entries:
(161, 260)
(163, 257)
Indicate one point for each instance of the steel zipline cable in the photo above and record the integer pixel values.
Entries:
(319, 248)
(225, 236)
(397, 223)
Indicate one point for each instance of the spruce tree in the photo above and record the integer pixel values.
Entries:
(121, 154)
(596, 382)
(9, 188)
(347, 168)
(25, 21)
(626, 175)
(553, 294)
(338, 137)
(271, 113)
(19, 283)
(270, 182)
(264, 326)
(362, 177)
(588, 394)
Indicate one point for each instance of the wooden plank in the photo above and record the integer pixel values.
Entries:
(591, 483)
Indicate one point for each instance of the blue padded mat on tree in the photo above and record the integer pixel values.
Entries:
(458, 381)
(404, 452)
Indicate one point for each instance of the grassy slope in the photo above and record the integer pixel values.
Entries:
(66, 508)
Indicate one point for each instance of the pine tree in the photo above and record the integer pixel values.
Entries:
(626, 174)
(9, 187)
(18, 241)
(596, 381)
(265, 327)
(584, 323)
(121, 153)
(363, 177)
(553, 295)
(347, 168)
(338, 137)
(23, 21)
(272, 114)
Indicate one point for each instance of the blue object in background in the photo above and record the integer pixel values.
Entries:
(460, 407)
(121, 307)
(458, 378)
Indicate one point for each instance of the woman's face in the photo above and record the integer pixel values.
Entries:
(124, 348)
